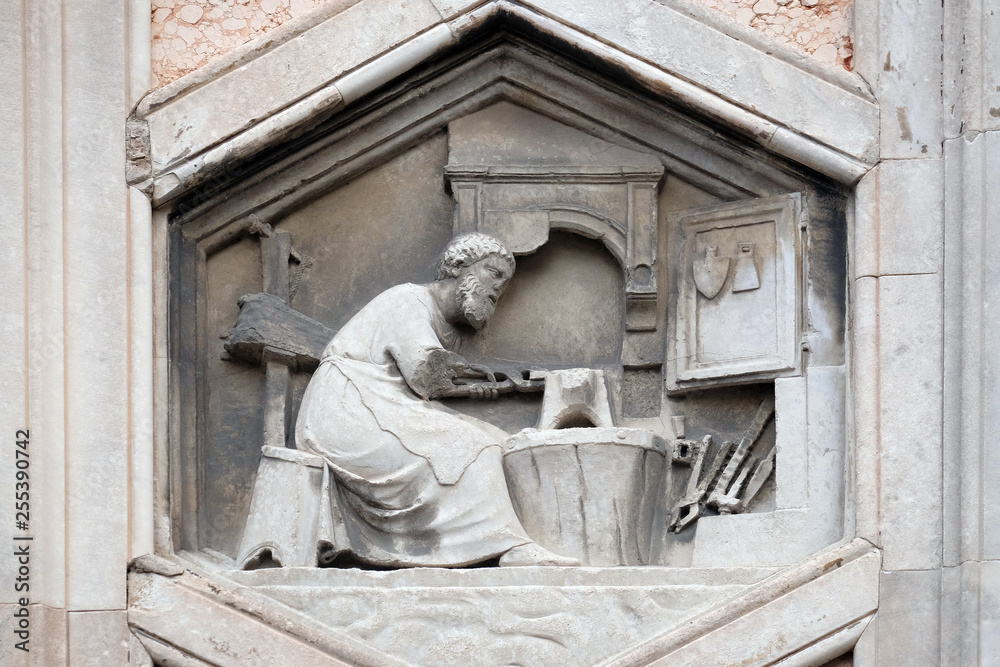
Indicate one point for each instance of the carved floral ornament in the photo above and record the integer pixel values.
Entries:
(648, 384)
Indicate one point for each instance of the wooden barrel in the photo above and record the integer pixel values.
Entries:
(591, 493)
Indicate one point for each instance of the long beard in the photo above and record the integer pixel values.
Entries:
(474, 302)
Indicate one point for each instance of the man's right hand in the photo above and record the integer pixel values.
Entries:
(466, 371)
(444, 374)
(474, 381)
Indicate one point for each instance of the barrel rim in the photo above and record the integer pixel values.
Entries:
(621, 436)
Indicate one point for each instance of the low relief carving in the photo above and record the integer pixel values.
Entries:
(382, 471)
(420, 484)
(607, 367)
(740, 267)
(746, 277)
(731, 491)
(583, 486)
(711, 272)
(386, 473)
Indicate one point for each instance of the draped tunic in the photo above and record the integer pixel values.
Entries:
(420, 484)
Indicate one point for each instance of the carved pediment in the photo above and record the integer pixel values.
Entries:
(203, 122)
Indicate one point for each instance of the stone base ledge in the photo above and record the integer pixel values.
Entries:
(597, 577)
(534, 615)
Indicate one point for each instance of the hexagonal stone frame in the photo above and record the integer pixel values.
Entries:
(824, 121)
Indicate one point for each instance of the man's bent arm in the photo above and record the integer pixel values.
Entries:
(434, 377)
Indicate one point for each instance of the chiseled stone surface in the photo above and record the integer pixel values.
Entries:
(373, 411)
(695, 53)
(186, 34)
(909, 430)
(789, 535)
(589, 493)
(909, 80)
(971, 96)
(831, 129)
(899, 392)
(45, 320)
(753, 249)
(989, 647)
(909, 603)
(194, 121)
(447, 624)
(969, 591)
(47, 636)
(95, 263)
(826, 416)
(900, 228)
(792, 467)
(13, 299)
(821, 28)
(98, 638)
(865, 385)
(489, 616)
(788, 623)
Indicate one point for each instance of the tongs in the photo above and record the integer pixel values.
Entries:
(518, 382)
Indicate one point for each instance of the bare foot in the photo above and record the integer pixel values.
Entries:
(533, 554)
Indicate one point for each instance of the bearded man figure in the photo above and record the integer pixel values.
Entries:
(420, 484)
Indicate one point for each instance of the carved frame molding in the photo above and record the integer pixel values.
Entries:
(806, 615)
(787, 214)
(834, 132)
(179, 166)
(632, 239)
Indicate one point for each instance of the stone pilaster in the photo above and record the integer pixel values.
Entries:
(75, 315)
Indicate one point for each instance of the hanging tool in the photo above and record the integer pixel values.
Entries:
(725, 494)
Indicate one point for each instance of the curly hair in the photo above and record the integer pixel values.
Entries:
(467, 249)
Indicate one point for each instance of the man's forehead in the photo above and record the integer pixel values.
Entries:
(496, 261)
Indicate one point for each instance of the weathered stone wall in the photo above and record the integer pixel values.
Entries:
(821, 29)
(186, 34)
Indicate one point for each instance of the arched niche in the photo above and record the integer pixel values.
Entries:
(516, 174)
(562, 308)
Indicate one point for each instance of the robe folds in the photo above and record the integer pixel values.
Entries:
(420, 484)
